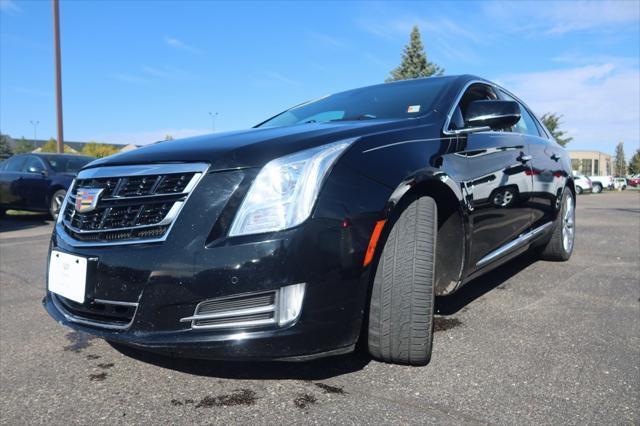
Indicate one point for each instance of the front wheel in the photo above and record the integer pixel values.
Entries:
(578, 190)
(402, 298)
(56, 203)
(560, 246)
(597, 188)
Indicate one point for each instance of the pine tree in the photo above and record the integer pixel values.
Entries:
(620, 165)
(23, 146)
(552, 122)
(5, 148)
(414, 62)
(634, 163)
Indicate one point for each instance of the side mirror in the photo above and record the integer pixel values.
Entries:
(493, 114)
(34, 169)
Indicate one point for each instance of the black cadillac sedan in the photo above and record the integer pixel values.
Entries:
(38, 182)
(335, 221)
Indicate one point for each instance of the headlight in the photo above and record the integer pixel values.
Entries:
(284, 192)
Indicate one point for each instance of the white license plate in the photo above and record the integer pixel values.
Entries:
(68, 275)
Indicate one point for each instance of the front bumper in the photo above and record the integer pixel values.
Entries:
(195, 263)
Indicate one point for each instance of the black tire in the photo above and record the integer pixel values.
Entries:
(402, 298)
(557, 248)
(597, 188)
(578, 190)
(56, 202)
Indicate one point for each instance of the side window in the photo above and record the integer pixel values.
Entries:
(474, 92)
(33, 165)
(527, 124)
(15, 164)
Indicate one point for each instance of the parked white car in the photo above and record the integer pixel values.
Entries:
(620, 183)
(582, 183)
(601, 182)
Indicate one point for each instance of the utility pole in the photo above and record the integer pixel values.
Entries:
(35, 129)
(56, 48)
(213, 121)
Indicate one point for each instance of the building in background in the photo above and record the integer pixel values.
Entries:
(591, 163)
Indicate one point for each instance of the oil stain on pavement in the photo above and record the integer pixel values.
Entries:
(444, 323)
(330, 389)
(99, 377)
(304, 400)
(239, 397)
(78, 341)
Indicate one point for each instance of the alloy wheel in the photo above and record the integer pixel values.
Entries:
(568, 224)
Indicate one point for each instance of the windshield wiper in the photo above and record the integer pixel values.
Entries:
(357, 117)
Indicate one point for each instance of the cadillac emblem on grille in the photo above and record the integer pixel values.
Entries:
(87, 199)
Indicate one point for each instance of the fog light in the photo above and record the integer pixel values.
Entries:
(290, 301)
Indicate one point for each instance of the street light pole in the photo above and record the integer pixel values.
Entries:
(35, 129)
(56, 48)
(213, 121)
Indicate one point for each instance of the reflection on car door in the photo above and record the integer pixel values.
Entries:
(32, 187)
(498, 186)
(9, 178)
(547, 169)
(548, 178)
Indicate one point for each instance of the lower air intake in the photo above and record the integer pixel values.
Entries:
(263, 309)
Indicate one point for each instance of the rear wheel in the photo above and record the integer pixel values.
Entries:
(578, 190)
(56, 202)
(402, 299)
(597, 188)
(560, 246)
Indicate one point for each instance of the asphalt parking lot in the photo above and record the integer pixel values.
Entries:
(534, 342)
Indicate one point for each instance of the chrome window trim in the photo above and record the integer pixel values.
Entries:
(495, 87)
(447, 122)
(199, 170)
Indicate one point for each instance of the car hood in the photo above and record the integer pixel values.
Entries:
(249, 148)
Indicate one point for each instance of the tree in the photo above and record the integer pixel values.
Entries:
(414, 62)
(620, 165)
(23, 146)
(634, 163)
(168, 137)
(552, 122)
(52, 146)
(5, 148)
(99, 150)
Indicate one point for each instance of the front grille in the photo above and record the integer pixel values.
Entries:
(137, 203)
(99, 313)
(242, 311)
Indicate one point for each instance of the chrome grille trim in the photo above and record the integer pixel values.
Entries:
(222, 309)
(94, 323)
(179, 199)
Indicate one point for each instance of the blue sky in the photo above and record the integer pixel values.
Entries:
(135, 71)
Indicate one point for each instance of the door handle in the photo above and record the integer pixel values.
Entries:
(524, 158)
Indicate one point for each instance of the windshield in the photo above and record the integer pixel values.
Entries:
(67, 163)
(385, 101)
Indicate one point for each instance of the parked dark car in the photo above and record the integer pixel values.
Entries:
(337, 220)
(38, 182)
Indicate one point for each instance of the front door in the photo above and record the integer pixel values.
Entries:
(498, 186)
